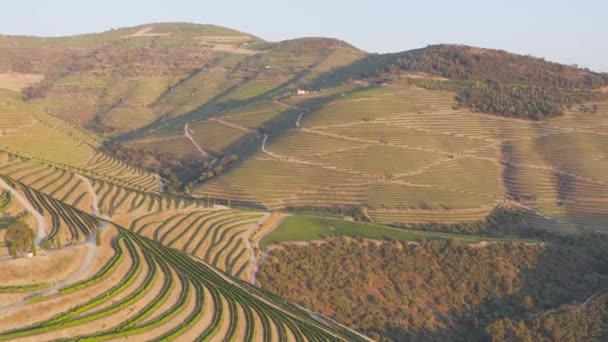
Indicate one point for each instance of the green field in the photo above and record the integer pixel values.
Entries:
(302, 228)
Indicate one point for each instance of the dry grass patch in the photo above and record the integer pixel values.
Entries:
(52, 267)
(18, 81)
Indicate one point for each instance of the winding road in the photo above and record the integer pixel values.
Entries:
(263, 147)
(40, 220)
(188, 134)
(255, 265)
(91, 244)
(299, 118)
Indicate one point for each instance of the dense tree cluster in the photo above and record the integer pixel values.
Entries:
(498, 82)
(442, 290)
(526, 102)
(585, 322)
(502, 221)
(470, 63)
(20, 236)
(512, 101)
(211, 170)
(165, 165)
(96, 125)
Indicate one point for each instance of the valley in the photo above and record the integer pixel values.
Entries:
(187, 182)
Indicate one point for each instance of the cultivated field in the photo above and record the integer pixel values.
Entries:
(406, 155)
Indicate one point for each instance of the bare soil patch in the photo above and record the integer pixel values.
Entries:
(52, 267)
(231, 39)
(234, 49)
(17, 81)
(145, 32)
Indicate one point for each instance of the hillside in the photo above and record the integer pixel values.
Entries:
(180, 181)
(104, 281)
(440, 291)
(214, 112)
(460, 62)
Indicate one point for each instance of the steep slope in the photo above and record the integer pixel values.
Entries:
(404, 136)
(131, 286)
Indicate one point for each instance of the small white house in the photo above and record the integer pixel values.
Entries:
(301, 92)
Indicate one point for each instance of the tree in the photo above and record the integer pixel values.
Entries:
(98, 237)
(527, 302)
(46, 244)
(33, 247)
(13, 251)
(20, 235)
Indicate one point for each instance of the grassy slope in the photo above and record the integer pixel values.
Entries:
(302, 228)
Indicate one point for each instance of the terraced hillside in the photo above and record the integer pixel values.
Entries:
(102, 281)
(162, 294)
(220, 238)
(312, 122)
(147, 173)
(408, 154)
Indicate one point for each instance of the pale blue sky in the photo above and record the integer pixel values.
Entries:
(566, 31)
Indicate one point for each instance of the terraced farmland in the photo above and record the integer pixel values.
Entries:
(165, 295)
(66, 224)
(84, 188)
(167, 286)
(12, 113)
(111, 167)
(262, 144)
(217, 237)
(408, 154)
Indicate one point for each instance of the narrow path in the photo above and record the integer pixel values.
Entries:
(585, 303)
(249, 245)
(531, 209)
(40, 220)
(299, 119)
(95, 201)
(91, 244)
(364, 141)
(187, 134)
(325, 320)
(161, 185)
(263, 148)
(258, 261)
(554, 170)
(233, 125)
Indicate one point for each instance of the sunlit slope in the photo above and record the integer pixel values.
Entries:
(409, 155)
(132, 80)
(142, 290)
(113, 283)
(29, 133)
(26, 130)
(233, 82)
(219, 237)
(116, 81)
(111, 188)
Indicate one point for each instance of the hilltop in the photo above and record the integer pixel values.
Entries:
(461, 62)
